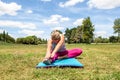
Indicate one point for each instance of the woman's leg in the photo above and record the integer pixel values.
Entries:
(74, 52)
(59, 54)
(70, 53)
(54, 58)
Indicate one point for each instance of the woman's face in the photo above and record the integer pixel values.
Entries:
(55, 41)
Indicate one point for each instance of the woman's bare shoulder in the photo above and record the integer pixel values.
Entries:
(49, 40)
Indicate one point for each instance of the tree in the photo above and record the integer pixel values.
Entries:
(78, 35)
(83, 33)
(113, 39)
(98, 39)
(31, 40)
(4, 36)
(116, 26)
(87, 30)
(28, 40)
(72, 36)
(19, 40)
(1, 37)
(68, 35)
(101, 40)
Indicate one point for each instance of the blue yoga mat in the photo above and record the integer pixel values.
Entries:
(69, 62)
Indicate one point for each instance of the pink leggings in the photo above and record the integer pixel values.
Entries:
(70, 53)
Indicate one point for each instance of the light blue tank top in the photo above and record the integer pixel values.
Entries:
(62, 48)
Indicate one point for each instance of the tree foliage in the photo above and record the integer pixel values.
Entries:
(6, 37)
(87, 30)
(68, 35)
(30, 40)
(83, 33)
(101, 40)
(114, 39)
(116, 26)
(78, 34)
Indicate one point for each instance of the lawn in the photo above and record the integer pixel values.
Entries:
(18, 62)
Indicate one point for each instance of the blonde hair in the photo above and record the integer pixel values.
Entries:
(55, 35)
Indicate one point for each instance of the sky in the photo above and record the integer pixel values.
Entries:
(21, 18)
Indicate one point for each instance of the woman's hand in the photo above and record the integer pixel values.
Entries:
(46, 57)
(52, 55)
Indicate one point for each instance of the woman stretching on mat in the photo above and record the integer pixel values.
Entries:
(56, 48)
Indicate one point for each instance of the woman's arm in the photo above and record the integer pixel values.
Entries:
(59, 44)
(49, 46)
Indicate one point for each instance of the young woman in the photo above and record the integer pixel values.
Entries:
(56, 48)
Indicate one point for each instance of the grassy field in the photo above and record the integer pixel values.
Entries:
(18, 62)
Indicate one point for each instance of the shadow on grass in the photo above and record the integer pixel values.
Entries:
(79, 57)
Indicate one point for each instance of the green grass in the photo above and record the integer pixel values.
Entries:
(18, 62)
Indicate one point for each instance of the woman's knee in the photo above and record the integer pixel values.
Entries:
(79, 51)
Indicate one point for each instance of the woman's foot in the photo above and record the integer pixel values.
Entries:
(47, 61)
